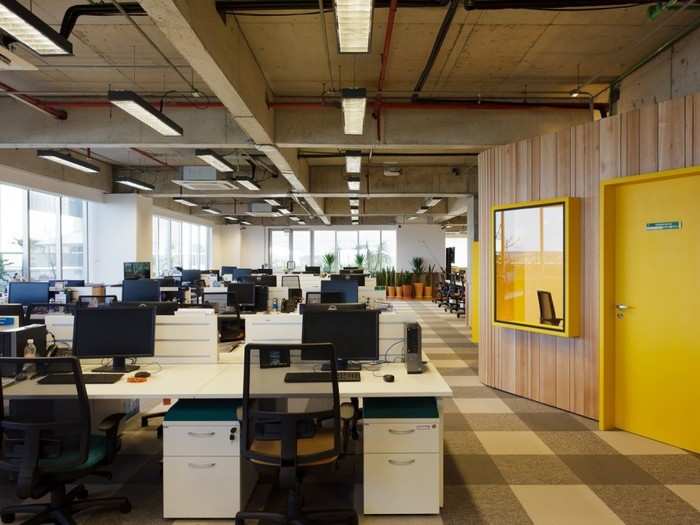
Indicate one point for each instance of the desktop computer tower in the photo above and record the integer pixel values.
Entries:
(13, 341)
(261, 297)
(413, 354)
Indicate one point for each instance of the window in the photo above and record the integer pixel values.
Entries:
(43, 236)
(180, 244)
(306, 246)
(460, 244)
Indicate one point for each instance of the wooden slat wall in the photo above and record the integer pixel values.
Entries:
(552, 370)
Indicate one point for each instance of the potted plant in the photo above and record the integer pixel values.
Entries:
(407, 285)
(418, 271)
(328, 262)
(360, 260)
(391, 283)
(399, 284)
(381, 280)
(429, 280)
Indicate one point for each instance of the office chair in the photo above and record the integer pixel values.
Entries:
(313, 297)
(294, 433)
(46, 445)
(291, 281)
(93, 301)
(547, 314)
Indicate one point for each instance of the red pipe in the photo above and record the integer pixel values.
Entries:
(35, 103)
(387, 44)
(437, 105)
(151, 157)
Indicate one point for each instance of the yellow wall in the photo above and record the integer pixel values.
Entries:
(474, 293)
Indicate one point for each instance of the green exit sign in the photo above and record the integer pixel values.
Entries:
(665, 225)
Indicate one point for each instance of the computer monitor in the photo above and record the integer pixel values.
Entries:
(228, 270)
(263, 280)
(245, 293)
(265, 271)
(116, 333)
(191, 276)
(240, 273)
(29, 293)
(162, 308)
(358, 340)
(137, 270)
(138, 290)
(13, 310)
(315, 270)
(325, 307)
(347, 287)
(66, 283)
(359, 277)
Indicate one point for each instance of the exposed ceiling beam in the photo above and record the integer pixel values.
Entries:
(281, 195)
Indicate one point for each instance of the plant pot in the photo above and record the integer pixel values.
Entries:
(391, 291)
(428, 292)
(407, 291)
(418, 289)
(399, 292)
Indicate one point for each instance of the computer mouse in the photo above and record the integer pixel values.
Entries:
(143, 374)
(388, 378)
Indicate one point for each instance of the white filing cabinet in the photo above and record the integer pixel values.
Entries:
(402, 456)
(202, 475)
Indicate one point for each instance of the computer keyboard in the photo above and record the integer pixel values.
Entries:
(320, 377)
(88, 379)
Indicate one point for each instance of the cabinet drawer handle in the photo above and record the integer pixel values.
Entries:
(201, 434)
(201, 465)
(402, 432)
(398, 463)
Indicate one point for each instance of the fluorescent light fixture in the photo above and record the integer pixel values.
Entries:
(295, 219)
(354, 106)
(412, 218)
(247, 183)
(354, 183)
(133, 183)
(210, 210)
(432, 201)
(185, 202)
(355, 220)
(140, 109)
(231, 218)
(246, 223)
(215, 160)
(353, 161)
(354, 202)
(354, 211)
(301, 222)
(284, 211)
(273, 202)
(19, 22)
(422, 209)
(353, 22)
(67, 160)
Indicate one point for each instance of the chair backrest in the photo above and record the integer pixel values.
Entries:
(38, 434)
(134, 290)
(313, 297)
(547, 312)
(93, 301)
(291, 281)
(279, 415)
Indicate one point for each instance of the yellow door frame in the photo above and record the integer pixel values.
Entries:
(606, 363)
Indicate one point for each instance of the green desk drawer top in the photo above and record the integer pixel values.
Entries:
(204, 410)
(400, 408)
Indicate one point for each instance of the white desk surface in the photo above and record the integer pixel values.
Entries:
(224, 380)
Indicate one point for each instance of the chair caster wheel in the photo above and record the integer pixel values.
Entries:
(7, 517)
(125, 507)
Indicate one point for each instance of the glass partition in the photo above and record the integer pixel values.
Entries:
(532, 271)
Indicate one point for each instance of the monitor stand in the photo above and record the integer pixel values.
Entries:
(118, 366)
(344, 365)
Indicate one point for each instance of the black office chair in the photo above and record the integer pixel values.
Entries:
(548, 315)
(313, 297)
(291, 428)
(291, 281)
(94, 301)
(46, 445)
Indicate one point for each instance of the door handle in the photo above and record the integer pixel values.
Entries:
(402, 432)
(201, 434)
(201, 465)
(622, 307)
(398, 463)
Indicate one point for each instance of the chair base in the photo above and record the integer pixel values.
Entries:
(63, 507)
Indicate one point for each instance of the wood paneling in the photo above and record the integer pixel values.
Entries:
(572, 162)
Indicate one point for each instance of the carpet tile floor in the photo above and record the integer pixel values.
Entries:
(508, 460)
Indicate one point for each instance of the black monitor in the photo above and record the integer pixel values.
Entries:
(359, 277)
(347, 287)
(191, 276)
(241, 273)
(354, 333)
(315, 270)
(137, 270)
(162, 308)
(262, 280)
(264, 271)
(228, 270)
(137, 290)
(13, 310)
(325, 307)
(116, 333)
(29, 293)
(244, 293)
(332, 297)
(66, 283)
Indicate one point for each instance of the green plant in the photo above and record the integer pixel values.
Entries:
(360, 260)
(381, 277)
(407, 278)
(391, 277)
(430, 277)
(418, 268)
(328, 261)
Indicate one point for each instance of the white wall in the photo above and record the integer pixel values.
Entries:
(253, 246)
(226, 245)
(674, 73)
(420, 240)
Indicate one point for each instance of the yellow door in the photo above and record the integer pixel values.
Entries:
(657, 296)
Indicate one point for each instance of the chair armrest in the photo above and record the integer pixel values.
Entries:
(111, 423)
(110, 426)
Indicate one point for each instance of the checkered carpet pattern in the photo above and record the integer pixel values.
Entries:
(508, 460)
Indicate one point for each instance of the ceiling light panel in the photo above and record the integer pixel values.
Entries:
(354, 202)
(211, 211)
(433, 201)
(134, 183)
(353, 22)
(272, 202)
(67, 160)
(19, 22)
(248, 184)
(422, 209)
(353, 161)
(140, 109)
(354, 106)
(185, 202)
(215, 160)
(354, 183)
